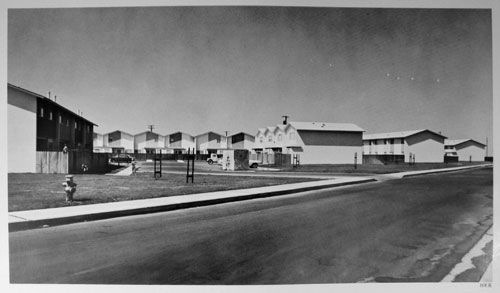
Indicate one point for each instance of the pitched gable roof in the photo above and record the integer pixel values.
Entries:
(455, 142)
(208, 133)
(398, 134)
(120, 132)
(48, 101)
(325, 126)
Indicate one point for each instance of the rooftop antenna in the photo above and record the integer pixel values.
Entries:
(285, 118)
(55, 98)
(151, 127)
(49, 95)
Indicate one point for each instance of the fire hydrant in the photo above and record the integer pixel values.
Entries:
(69, 188)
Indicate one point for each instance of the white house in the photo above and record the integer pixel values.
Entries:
(99, 144)
(423, 146)
(116, 142)
(210, 142)
(467, 149)
(314, 142)
(241, 140)
(148, 142)
(179, 142)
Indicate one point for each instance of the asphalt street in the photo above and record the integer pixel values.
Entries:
(408, 230)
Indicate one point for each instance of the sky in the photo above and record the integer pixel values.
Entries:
(237, 68)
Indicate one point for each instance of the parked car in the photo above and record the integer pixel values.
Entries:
(253, 163)
(450, 156)
(121, 158)
(218, 158)
(215, 158)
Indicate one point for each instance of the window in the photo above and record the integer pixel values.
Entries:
(60, 119)
(280, 137)
(41, 112)
(76, 124)
(261, 139)
(292, 135)
(67, 122)
(88, 128)
(50, 115)
(269, 138)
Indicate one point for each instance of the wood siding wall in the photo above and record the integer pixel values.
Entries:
(71, 162)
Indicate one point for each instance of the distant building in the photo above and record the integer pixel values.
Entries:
(179, 142)
(210, 142)
(36, 123)
(466, 149)
(424, 145)
(115, 142)
(314, 142)
(149, 142)
(241, 140)
(99, 144)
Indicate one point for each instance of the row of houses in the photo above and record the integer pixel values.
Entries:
(149, 142)
(39, 124)
(311, 142)
(343, 143)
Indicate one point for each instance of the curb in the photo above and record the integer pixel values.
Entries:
(466, 261)
(26, 224)
(33, 224)
(455, 169)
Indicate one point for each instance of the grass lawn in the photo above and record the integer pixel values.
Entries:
(40, 191)
(376, 169)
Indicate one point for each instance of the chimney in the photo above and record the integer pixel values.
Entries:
(285, 119)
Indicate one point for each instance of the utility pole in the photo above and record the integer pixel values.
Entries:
(486, 147)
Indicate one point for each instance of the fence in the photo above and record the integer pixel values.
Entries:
(383, 159)
(276, 159)
(51, 162)
(172, 157)
(71, 162)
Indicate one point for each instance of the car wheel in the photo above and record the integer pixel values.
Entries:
(254, 165)
(210, 162)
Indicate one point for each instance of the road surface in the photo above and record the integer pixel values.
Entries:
(408, 230)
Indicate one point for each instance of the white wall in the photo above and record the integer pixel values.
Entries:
(330, 154)
(470, 151)
(126, 141)
(426, 147)
(99, 140)
(257, 143)
(21, 128)
(140, 143)
(381, 148)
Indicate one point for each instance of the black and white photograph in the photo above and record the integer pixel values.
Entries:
(249, 146)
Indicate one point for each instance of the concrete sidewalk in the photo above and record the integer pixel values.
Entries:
(23, 220)
(31, 219)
